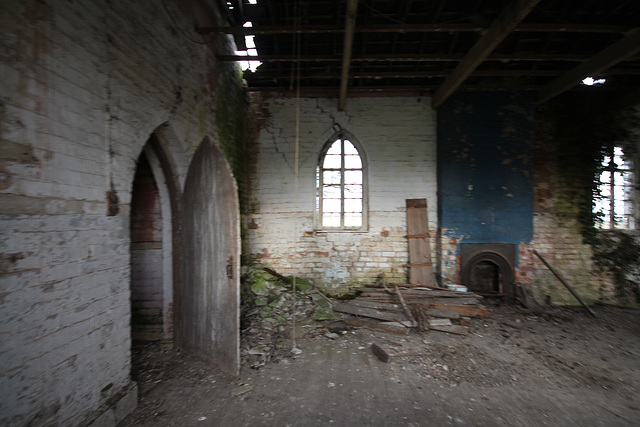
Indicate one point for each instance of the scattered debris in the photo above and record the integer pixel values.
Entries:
(269, 306)
(452, 329)
(524, 296)
(564, 282)
(385, 356)
(239, 391)
(410, 306)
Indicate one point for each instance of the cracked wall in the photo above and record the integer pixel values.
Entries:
(82, 87)
(398, 139)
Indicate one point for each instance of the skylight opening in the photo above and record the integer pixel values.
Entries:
(251, 50)
(590, 81)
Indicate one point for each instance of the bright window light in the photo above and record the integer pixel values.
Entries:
(251, 51)
(614, 199)
(340, 186)
(590, 81)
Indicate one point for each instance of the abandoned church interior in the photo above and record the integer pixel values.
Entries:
(154, 153)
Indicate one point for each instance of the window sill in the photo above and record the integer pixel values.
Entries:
(619, 230)
(342, 230)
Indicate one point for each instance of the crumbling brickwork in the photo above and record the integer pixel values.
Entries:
(486, 174)
(82, 87)
(398, 139)
(558, 237)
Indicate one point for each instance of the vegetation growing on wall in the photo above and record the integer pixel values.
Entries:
(618, 252)
(584, 126)
(230, 114)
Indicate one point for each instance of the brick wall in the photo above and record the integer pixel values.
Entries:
(500, 182)
(82, 87)
(146, 256)
(486, 173)
(558, 237)
(398, 139)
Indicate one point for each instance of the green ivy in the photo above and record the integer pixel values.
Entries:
(581, 128)
(584, 126)
(618, 253)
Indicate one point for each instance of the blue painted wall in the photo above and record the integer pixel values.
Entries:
(485, 152)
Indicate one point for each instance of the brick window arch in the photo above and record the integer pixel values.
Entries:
(341, 185)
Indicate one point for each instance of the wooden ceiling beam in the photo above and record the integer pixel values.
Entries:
(411, 28)
(387, 90)
(411, 74)
(619, 51)
(418, 57)
(350, 25)
(504, 24)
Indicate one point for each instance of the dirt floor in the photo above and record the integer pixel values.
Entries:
(515, 368)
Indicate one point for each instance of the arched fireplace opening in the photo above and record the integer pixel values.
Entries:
(488, 269)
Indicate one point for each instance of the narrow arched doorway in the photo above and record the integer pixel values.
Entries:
(151, 251)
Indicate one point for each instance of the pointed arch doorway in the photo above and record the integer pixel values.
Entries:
(209, 296)
(152, 250)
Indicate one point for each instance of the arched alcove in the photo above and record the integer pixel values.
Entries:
(488, 269)
(152, 252)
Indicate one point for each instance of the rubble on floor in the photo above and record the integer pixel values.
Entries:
(272, 313)
(275, 310)
(400, 308)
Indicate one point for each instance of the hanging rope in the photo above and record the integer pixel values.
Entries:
(297, 49)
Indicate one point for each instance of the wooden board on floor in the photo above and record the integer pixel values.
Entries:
(451, 329)
(418, 292)
(374, 325)
(464, 310)
(420, 265)
(370, 312)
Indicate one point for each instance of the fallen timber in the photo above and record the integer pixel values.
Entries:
(414, 307)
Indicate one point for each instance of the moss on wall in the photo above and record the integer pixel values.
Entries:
(230, 118)
(618, 253)
(583, 126)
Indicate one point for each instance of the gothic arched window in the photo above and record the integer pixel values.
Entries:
(340, 186)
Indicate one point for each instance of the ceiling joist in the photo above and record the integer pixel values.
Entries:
(605, 59)
(386, 46)
(501, 27)
(352, 10)
(410, 57)
(411, 28)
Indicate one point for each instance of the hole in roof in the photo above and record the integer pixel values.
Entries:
(251, 51)
(591, 81)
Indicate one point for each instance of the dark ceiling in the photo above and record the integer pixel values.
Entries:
(342, 47)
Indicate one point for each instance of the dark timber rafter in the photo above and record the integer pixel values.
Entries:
(411, 28)
(350, 26)
(410, 57)
(440, 45)
(610, 56)
(501, 27)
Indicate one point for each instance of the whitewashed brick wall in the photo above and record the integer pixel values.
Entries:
(82, 86)
(398, 136)
(561, 245)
